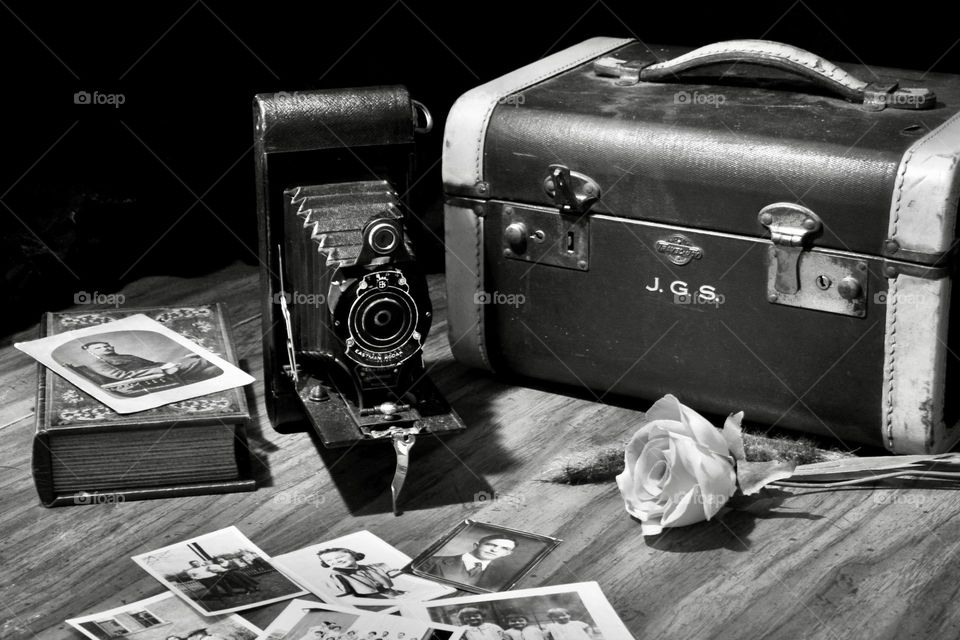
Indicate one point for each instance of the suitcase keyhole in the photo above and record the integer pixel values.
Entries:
(570, 242)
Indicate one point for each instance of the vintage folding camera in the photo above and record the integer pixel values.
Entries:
(346, 308)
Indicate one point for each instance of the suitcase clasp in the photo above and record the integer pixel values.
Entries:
(572, 191)
(791, 226)
(800, 276)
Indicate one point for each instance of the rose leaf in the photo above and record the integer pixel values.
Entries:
(753, 476)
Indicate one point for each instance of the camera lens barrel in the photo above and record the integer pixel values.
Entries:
(383, 324)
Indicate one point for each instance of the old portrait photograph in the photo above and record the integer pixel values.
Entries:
(481, 557)
(562, 612)
(358, 569)
(134, 364)
(162, 617)
(219, 572)
(306, 620)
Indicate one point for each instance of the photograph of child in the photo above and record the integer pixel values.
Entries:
(162, 617)
(358, 569)
(563, 612)
(219, 572)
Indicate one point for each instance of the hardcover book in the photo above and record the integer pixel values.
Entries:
(86, 453)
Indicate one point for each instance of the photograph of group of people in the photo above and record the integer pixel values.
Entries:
(307, 620)
(576, 611)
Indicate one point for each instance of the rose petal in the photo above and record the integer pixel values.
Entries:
(704, 432)
(652, 457)
(666, 408)
(687, 510)
(681, 477)
(733, 434)
(650, 527)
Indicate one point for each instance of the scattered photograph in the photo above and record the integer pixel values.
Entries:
(563, 612)
(306, 620)
(134, 364)
(483, 558)
(219, 572)
(162, 617)
(359, 570)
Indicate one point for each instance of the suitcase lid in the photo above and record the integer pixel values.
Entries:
(711, 153)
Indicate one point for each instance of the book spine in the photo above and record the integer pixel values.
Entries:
(42, 464)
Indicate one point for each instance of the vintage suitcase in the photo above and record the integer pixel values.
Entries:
(746, 226)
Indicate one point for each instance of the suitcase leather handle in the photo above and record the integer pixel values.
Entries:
(780, 56)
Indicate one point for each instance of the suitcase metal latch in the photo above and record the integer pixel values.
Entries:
(797, 276)
(790, 225)
(571, 191)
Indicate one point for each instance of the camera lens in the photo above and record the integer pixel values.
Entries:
(383, 320)
(384, 237)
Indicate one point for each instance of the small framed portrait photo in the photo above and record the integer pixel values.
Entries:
(481, 557)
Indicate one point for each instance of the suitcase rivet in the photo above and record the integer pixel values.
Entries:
(508, 211)
(507, 252)
(766, 219)
(582, 264)
(891, 271)
(849, 288)
(810, 223)
(773, 297)
(862, 266)
(892, 246)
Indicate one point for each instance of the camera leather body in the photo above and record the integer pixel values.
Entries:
(746, 226)
(346, 308)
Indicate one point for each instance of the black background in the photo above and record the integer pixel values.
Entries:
(95, 196)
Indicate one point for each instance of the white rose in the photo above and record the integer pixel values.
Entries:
(679, 468)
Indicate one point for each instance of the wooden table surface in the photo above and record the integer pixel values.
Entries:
(865, 563)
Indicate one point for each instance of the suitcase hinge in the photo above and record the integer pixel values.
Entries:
(799, 277)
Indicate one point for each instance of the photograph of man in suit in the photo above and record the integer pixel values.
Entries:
(484, 566)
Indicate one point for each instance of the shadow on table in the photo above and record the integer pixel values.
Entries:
(258, 446)
(732, 528)
(443, 470)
